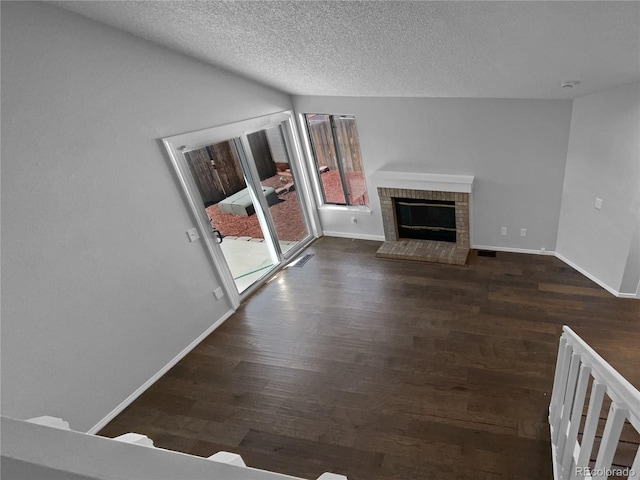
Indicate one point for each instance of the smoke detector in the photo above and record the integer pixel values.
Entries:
(567, 84)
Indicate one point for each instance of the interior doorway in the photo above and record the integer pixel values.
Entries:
(249, 192)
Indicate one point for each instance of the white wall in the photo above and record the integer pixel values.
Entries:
(31, 452)
(631, 277)
(603, 161)
(18, 470)
(516, 149)
(100, 286)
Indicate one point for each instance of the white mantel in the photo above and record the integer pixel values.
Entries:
(422, 181)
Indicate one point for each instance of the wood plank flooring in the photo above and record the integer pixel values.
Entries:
(382, 369)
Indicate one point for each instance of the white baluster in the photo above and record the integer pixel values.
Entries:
(590, 427)
(55, 422)
(136, 438)
(553, 404)
(610, 437)
(572, 380)
(228, 457)
(635, 468)
(564, 374)
(576, 416)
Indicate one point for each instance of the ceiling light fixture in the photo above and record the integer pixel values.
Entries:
(569, 84)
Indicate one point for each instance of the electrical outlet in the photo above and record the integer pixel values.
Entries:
(503, 231)
(218, 293)
(192, 233)
(598, 204)
(523, 232)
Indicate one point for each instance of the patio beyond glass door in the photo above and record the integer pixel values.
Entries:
(278, 179)
(233, 211)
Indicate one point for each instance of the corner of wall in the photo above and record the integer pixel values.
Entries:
(602, 154)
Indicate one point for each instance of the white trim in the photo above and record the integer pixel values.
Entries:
(310, 161)
(303, 172)
(422, 181)
(594, 279)
(248, 165)
(174, 147)
(127, 401)
(554, 462)
(591, 277)
(514, 250)
(626, 295)
(358, 236)
(350, 209)
(201, 138)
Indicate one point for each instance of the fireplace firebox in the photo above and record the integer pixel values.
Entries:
(426, 219)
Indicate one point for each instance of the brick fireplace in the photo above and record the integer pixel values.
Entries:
(424, 189)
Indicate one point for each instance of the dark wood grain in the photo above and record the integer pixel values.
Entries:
(383, 369)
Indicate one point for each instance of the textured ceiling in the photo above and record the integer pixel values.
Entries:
(496, 49)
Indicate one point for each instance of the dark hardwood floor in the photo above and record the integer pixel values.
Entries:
(380, 369)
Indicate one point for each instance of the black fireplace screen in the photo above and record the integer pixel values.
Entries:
(426, 219)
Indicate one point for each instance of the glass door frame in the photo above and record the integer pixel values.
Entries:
(238, 133)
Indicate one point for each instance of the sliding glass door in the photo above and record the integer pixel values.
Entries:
(246, 192)
(232, 210)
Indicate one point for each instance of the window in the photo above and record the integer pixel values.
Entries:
(336, 150)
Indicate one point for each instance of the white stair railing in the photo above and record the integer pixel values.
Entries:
(576, 365)
(75, 442)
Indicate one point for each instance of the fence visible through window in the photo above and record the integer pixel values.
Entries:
(336, 150)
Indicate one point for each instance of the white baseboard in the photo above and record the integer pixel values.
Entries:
(591, 277)
(627, 295)
(594, 279)
(359, 236)
(514, 250)
(100, 425)
(527, 251)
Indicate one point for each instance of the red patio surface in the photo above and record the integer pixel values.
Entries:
(286, 214)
